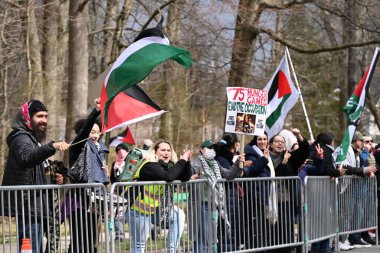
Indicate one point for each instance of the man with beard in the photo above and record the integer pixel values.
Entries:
(27, 164)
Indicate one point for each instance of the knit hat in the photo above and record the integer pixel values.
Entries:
(289, 137)
(208, 144)
(121, 146)
(147, 143)
(357, 136)
(36, 106)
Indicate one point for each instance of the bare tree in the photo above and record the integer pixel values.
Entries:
(52, 89)
(77, 65)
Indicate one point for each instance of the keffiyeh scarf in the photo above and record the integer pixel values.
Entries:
(212, 174)
(272, 211)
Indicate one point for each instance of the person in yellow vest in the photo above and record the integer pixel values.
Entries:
(161, 164)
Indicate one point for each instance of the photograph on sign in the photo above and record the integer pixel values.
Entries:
(246, 110)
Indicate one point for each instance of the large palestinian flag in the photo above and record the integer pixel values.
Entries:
(354, 107)
(130, 106)
(133, 66)
(282, 96)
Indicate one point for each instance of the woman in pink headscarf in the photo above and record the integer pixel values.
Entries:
(118, 164)
(117, 168)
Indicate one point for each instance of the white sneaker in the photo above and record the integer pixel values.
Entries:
(344, 246)
(347, 242)
(361, 244)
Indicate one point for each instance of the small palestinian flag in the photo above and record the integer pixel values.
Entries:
(282, 96)
(134, 64)
(130, 106)
(355, 106)
(124, 137)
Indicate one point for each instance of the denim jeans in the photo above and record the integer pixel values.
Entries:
(32, 231)
(140, 226)
(321, 246)
(360, 194)
(119, 223)
(201, 242)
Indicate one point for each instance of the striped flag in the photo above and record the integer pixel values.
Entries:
(130, 106)
(282, 96)
(134, 65)
(354, 107)
(149, 49)
(124, 137)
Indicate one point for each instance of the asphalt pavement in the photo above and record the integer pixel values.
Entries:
(371, 249)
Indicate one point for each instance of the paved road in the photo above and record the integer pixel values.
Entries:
(372, 249)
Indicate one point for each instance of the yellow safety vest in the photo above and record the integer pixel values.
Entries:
(149, 200)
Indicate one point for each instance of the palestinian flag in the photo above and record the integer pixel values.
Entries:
(282, 96)
(130, 106)
(124, 137)
(133, 66)
(355, 106)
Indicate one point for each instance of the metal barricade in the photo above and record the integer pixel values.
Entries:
(257, 214)
(243, 215)
(157, 226)
(357, 201)
(54, 217)
(320, 209)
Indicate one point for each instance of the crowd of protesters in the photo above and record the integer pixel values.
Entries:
(242, 225)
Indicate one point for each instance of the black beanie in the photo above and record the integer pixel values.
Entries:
(121, 146)
(36, 106)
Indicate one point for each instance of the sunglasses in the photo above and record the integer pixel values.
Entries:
(369, 141)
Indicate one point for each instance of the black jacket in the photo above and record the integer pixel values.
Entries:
(327, 157)
(153, 171)
(25, 166)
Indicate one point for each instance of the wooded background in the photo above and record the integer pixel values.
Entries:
(54, 50)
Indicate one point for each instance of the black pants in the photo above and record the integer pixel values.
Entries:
(83, 226)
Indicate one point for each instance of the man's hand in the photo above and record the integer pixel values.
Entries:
(319, 151)
(59, 178)
(97, 104)
(61, 146)
(371, 171)
(342, 170)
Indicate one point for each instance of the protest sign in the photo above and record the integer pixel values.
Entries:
(246, 110)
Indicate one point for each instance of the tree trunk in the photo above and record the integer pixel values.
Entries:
(169, 87)
(350, 32)
(374, 110)
(109, 21)
(52, 89)
(115, 49)
(34, 55)
(78, 65)
(242, 49)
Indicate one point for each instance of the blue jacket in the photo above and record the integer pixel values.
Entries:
(259, 167)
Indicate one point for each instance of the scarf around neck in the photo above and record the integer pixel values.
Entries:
(212, 173)
(272, 211)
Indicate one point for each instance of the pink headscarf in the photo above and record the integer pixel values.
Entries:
(121, 155)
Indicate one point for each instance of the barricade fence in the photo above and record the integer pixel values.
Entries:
(243, 215)
(58, 218)
(320, 209)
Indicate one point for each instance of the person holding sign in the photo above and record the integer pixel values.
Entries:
(206, 167)
(255, 193)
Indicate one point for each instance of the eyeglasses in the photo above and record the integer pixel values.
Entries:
(279, 141)
(369, 141)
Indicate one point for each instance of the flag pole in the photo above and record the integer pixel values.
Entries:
(299, 91)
